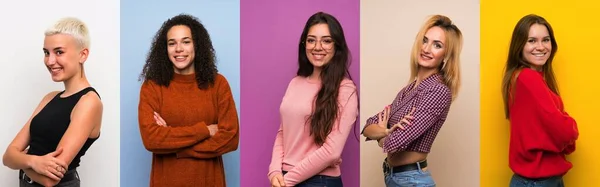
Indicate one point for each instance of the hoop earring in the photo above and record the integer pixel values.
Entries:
(443, 65)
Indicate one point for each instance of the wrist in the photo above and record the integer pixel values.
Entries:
(29, 159)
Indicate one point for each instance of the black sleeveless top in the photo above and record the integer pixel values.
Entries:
(50, 124)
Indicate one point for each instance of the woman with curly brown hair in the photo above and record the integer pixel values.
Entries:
(187, 115)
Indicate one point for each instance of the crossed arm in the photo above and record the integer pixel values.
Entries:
(193, 141)
(85, 122)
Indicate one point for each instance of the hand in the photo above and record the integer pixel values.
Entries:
(277, 181)
(49, 165)
(384, 117)
(406, 120)
(380, 142)
(159, 120)
(213, 129)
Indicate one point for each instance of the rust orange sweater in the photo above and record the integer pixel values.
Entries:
(184, 153)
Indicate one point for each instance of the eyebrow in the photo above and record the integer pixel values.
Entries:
(172, 39)
(541, 37)
(55, 49)
(438, 41)
(321, 37)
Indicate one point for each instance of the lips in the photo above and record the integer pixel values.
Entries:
(538, 54)
(426, 57)
(55, 70)
(180, 58)
(318, 56)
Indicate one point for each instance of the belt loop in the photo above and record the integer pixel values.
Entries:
(419, 166)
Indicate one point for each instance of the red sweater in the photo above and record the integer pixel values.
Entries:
(184, 153)
(541, 132)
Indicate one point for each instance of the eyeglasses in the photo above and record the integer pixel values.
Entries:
(326, 43)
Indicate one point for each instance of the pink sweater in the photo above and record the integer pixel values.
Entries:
(295, 150)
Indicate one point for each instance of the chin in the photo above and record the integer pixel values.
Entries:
(426, 65)
(57, 79)
(318, 64)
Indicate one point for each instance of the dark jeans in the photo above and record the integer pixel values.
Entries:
(320, 181)
(519, 181)
(25, 181)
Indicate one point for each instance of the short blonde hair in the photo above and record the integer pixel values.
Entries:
(450, 69)
(71, 26)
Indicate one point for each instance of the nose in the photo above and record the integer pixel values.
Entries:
(539, 46)
(178, 48)
(318, 45)
(426, 48)
(50, 60)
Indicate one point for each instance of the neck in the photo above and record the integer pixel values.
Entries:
(536, 68)
(316, 74)
(423, 73)
(75, 84)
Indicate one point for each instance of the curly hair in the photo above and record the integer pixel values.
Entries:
(159, 68)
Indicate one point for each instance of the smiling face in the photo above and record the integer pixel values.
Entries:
(320, 46)
(538, 47)
(433, 49)
(63, 57)
(180, 47)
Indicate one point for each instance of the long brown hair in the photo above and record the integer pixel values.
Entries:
(325, 111)
(450, 67)
(516, 61)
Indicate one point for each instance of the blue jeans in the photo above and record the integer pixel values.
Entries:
(414, 178)
(518, 181)
(320, 181)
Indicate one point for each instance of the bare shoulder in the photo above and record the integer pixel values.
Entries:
(47, 99)
(90, 100)
(49, 96)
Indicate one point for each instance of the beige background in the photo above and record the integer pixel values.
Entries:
(388, 30)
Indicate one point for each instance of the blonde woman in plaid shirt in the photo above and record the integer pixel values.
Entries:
(407, 127)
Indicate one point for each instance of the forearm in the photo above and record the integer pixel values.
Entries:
(39, 178)
(215, 146)
(169, 139)
(16, 159)
(374, 132)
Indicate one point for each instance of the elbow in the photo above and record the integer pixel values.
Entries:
(149, 145)
(5, 161)
(334, 159)
(333, 156)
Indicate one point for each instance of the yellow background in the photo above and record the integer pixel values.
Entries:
(577, 67)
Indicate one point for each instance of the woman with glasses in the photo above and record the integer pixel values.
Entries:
(407, 127)
(318, 110)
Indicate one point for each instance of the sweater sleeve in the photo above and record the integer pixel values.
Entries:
(163, 140)
(561, 129)
(227, 138)
(331, 151)
(276, 164)
(433, 106)
(277, 155)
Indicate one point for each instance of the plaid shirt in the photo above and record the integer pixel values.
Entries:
(431, 99)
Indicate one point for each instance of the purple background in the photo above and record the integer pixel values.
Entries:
(270, 31)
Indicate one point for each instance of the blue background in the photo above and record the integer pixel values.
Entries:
(140, 20)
